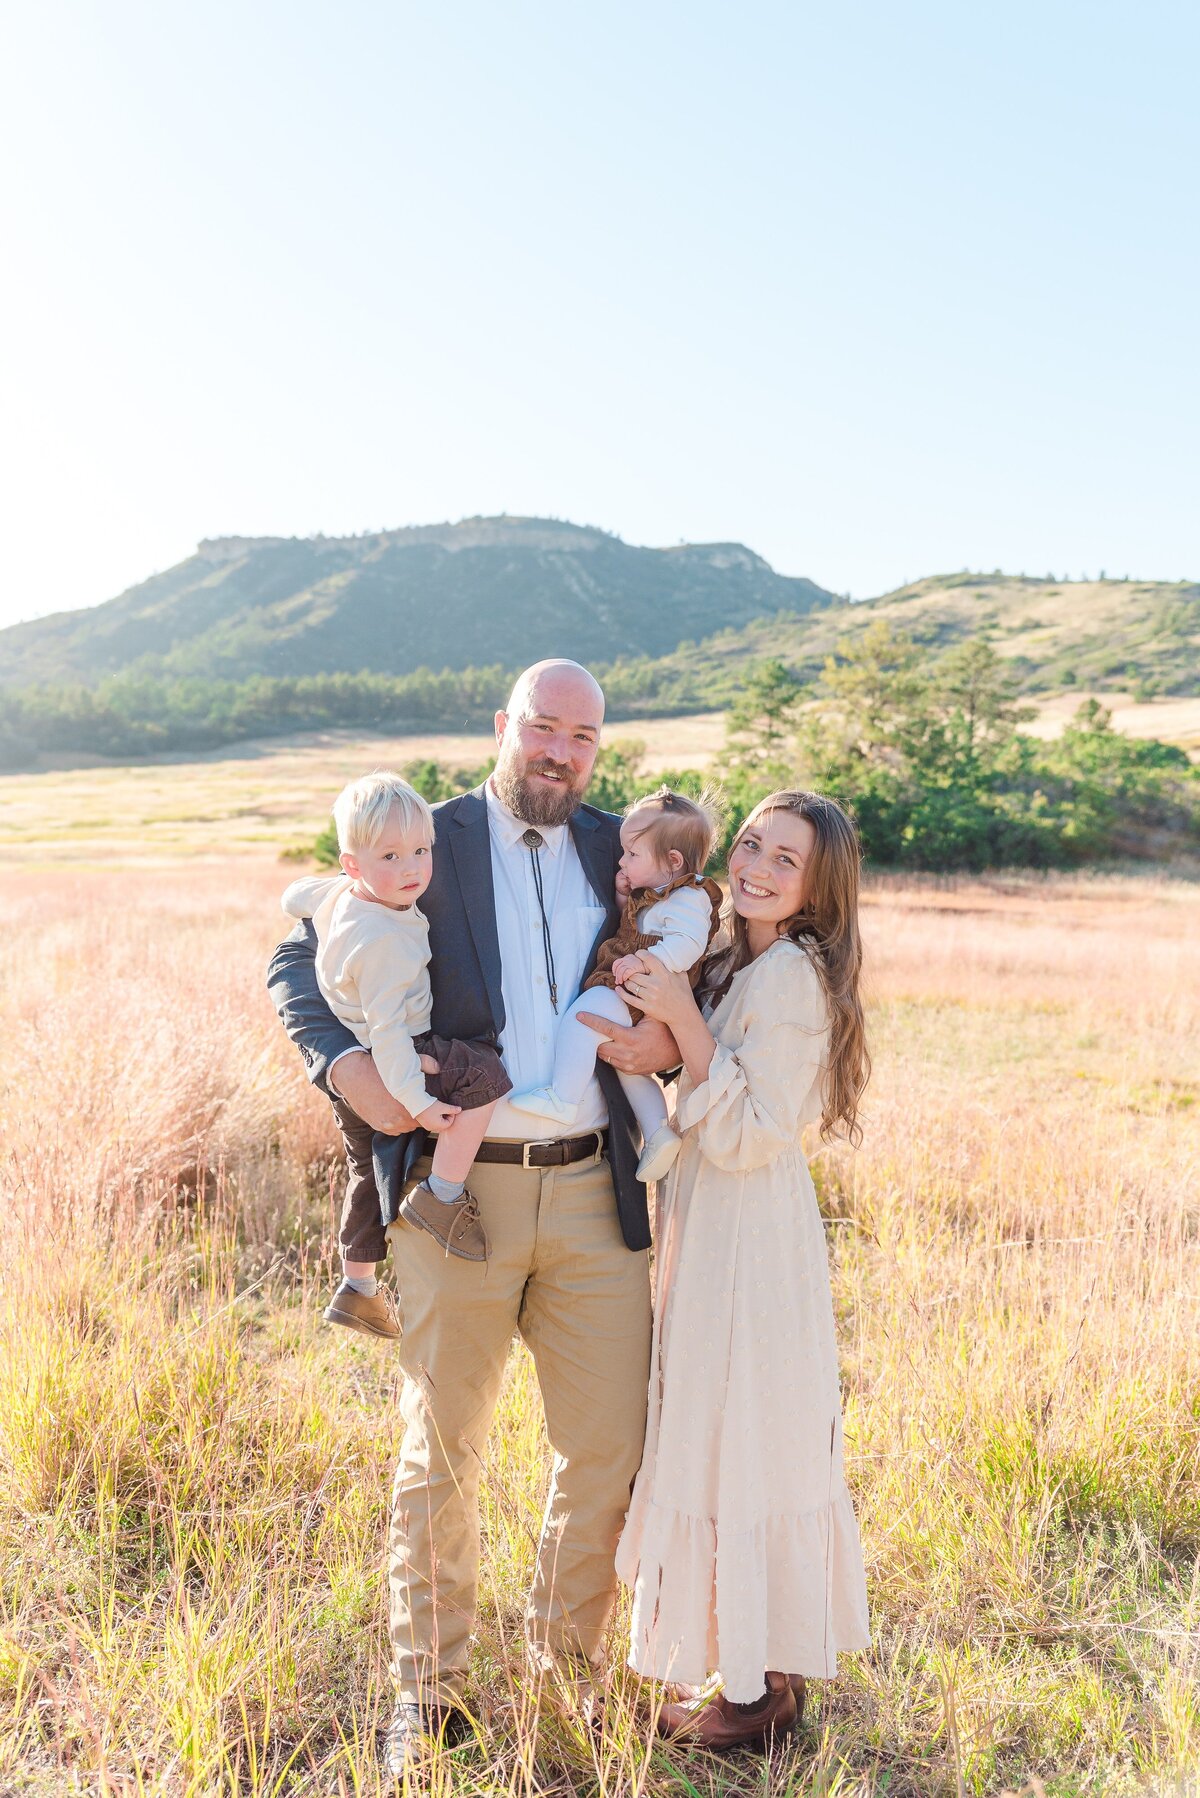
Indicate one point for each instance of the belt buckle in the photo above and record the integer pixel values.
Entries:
(544, 1143)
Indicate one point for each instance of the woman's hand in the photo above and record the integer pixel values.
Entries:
(668, 998)
(660, 994)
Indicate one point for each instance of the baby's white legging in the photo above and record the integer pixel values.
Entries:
(575, 1058)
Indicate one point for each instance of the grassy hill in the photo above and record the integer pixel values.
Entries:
(473, 594)
(1139, 636)
(512, 591)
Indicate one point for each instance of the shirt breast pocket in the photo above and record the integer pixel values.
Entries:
(590, 922)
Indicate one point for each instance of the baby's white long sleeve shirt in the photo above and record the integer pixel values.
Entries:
(682, 919)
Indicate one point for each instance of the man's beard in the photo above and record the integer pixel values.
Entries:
(537, 805)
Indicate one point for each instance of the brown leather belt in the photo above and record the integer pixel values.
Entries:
(539, 1154)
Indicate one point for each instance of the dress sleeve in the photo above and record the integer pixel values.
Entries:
(384, 969)
(684, 925)
(752, 1106)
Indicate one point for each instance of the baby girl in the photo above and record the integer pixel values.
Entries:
(372, 968)
(671, 913)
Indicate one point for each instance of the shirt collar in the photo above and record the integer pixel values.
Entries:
(510, 829)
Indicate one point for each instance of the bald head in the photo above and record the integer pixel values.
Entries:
(557, 683)
(548, 735)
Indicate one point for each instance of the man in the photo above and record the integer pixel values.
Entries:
(522, 894)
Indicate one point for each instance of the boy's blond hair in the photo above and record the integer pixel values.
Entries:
(672, 820)
(362, 809)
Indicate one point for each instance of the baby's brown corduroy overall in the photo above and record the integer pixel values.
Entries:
(629, 939)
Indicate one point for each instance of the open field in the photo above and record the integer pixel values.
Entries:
(193, 1472)
(273, 794)
(269, 795)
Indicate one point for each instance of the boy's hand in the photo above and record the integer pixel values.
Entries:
(438, 1117)
(429, 1065)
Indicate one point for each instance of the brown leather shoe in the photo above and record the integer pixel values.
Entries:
(717, 1724)
(457, 1226)
(374, 1316)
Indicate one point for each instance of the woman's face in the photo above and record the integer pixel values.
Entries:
(768, 867)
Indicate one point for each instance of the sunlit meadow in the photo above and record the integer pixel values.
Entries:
(195, 1471)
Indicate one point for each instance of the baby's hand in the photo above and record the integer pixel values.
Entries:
(438, 1117)
(622, 885)
(624, 966)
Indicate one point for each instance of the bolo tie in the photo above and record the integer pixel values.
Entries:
(533, 840)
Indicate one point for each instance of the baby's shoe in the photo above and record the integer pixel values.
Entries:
(455, 1223)
(658, 1154)
(373, 1316)
(544, 1104)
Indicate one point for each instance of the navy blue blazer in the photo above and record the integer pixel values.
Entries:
(464, 971)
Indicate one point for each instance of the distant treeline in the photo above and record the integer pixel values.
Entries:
(929, 755)
(129, 715)
(927, 749)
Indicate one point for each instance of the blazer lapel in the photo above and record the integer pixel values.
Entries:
(594, 849)
(471, 847)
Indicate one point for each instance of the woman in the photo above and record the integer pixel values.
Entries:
(741, 1547)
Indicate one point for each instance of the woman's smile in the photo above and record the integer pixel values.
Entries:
(752, 890)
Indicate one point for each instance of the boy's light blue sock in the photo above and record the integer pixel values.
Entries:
(445, 1190)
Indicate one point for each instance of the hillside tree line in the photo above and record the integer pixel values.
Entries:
(929, 755)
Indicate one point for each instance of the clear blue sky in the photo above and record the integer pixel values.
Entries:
(877, 290)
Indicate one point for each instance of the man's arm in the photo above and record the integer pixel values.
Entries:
(645, 1048)
(322, 1040)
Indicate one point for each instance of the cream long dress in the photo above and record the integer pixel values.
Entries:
(741, 1546)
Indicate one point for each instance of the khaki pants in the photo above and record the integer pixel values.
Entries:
(560, 1274)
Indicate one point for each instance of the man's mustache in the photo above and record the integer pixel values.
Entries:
(544, 766)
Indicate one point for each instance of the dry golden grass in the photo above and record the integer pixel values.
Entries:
(194, 1474)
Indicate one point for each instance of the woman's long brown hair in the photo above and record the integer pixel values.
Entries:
(827, 926)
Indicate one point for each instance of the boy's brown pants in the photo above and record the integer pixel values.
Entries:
(560, 1275)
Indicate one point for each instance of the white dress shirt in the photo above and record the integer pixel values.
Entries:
(576, 916)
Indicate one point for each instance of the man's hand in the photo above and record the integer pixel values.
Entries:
(438, 1117)
(645, 1048)
(356, 1079)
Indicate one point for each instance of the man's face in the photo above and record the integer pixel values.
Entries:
(547, 754)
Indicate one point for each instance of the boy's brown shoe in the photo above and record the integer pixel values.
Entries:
(374, 1316)
(457, 1226)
